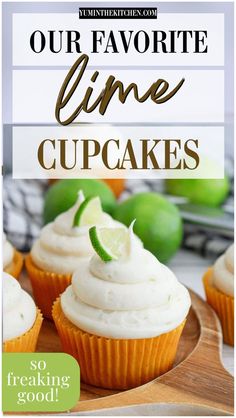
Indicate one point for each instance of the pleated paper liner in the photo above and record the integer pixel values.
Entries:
(116, 363)
(46, 286)
(223, 305)
(15, 267)
(27, 342)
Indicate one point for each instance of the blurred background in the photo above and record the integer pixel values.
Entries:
(170, 214)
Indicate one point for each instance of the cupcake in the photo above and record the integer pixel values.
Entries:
(21, 319)
(60, 247)
(219, 287)
(123, 314)
(12, 259)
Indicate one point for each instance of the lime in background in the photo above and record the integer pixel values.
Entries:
(209, 192)
(64, 193)
(158, 222)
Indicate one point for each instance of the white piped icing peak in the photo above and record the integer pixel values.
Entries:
(19, 310)
(133, 297)
(61, 246)
(223, 272)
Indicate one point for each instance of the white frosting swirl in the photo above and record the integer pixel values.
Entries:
(223, 272)
(19, 310)
(133, 297)
(61, 246)
(8, 252)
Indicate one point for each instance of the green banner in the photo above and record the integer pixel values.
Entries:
(39, 382)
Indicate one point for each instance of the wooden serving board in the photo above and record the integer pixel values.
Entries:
(198, 377)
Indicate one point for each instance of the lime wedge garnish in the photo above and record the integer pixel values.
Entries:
(109, 243)
(89, 212)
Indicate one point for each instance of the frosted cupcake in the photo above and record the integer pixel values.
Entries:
(21, 319)
(12, 259)
(219, 287)
(60, 247)
(123, 314)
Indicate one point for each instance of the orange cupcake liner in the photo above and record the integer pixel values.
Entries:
(223, 305)
(46, 286)
(116, 363)
(27, 342)
(15, 267)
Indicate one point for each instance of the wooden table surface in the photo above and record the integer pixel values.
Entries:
(189, 268)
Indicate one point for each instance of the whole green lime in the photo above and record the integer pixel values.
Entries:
(209, 192)
(63, 194)
(158, 223)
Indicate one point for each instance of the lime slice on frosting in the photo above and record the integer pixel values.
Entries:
(109, 243)
(89, 212)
